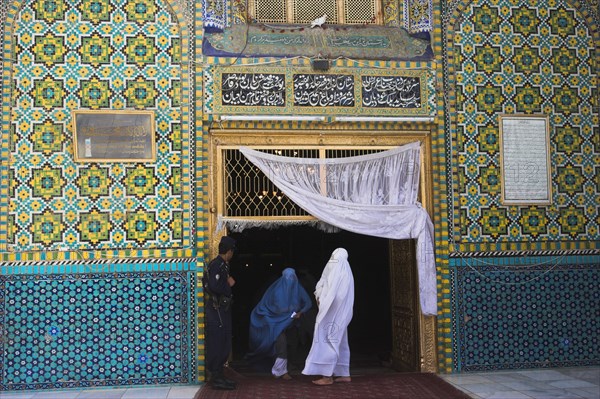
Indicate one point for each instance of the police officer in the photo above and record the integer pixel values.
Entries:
(217, 307)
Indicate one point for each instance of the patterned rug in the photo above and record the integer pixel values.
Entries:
(366, 386)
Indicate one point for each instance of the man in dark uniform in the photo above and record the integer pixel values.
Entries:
(217, 307)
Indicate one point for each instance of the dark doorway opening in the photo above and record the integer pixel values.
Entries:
(261, 256)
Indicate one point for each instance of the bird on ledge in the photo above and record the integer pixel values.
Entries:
(319, 21)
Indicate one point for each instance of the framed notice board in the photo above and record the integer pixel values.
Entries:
(525, 160)
(114, 136)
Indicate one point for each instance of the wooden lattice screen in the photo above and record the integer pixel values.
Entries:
(305, 11)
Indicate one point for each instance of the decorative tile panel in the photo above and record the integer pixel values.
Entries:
(500, 57)
(84, 54)
(418, 15)
(89, 330)
(543, 315)
(215, 13)
(524, 58)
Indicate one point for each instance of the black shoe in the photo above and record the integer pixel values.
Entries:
(222, 383)
(230, 382)
(222, 386)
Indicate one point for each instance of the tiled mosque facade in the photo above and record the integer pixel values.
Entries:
(100, 261)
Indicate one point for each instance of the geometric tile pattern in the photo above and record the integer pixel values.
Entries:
(96, 329)
(392, 11)
(115, 265)
(543, 316)
(525, 58)
(418, 15)
(94, 54)
(495, 61)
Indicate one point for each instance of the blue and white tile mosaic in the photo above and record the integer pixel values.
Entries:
(85, 330)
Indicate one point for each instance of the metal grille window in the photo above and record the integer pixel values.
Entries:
(249, 193)
(305, 11)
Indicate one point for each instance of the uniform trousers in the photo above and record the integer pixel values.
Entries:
(218, 338)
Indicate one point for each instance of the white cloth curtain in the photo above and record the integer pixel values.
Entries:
(372, 194)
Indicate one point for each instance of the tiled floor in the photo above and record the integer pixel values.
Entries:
(158, 392)
(568, 383)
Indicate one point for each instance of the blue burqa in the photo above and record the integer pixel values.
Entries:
(273, 314)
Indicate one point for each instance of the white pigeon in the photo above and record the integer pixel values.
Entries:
(319, 21)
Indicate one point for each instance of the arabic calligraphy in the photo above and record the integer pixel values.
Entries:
(320, 90)
(253, 89)
(391, 92)
(286, 40)
(359, 42)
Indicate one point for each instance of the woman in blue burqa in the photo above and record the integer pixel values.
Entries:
(281, 306)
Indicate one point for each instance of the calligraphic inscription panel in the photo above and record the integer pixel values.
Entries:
(305, 91)
(253, 89)
(109, 136)
(321, 90)
(391, 92)
(525, 159)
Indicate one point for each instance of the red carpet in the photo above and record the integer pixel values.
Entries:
(366, 386)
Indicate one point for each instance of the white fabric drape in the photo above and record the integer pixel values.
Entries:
(372, 194)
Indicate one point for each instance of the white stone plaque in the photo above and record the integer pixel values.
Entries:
(525, 159)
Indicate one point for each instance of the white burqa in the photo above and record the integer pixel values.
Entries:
(373, 194)
(330, 353)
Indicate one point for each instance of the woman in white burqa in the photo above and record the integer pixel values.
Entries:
(329, 355)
